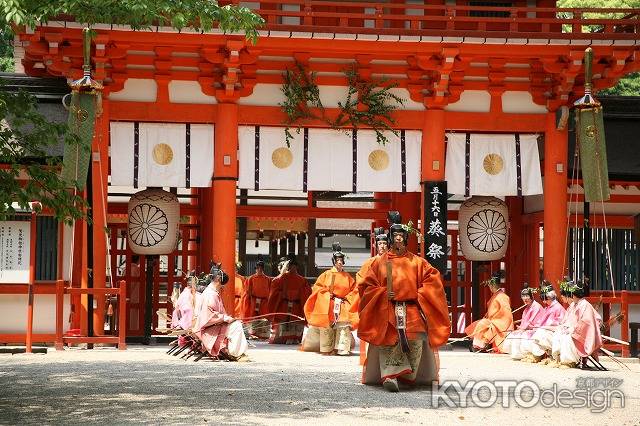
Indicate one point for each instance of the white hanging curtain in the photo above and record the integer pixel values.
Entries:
(161, 154)
(328, 160)
(393, 167)
(265, 160)
(493, 164)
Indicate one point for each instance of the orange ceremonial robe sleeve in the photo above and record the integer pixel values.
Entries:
(355, 307)
(414, 280)
(296, 288)
(239, 293)
(275, 294)
(497, 322)
(319, 306)
(256, 286)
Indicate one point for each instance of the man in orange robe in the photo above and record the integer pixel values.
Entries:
(254, 302)
(239, 286)
(328, 310)
(289, 292)
(382, 246)
(403, 315)
(498, 321)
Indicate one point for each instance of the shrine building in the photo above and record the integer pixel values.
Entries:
(487, 90)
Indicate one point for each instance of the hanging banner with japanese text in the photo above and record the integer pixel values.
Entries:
(435, 224)
(14, 251)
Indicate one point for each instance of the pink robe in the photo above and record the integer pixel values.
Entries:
(586, 331)
(516, 343)
(531, 319)
(568, 318)
(541, 340)
(212, 322)
(183, 313)
(562, 347)
(553, 314)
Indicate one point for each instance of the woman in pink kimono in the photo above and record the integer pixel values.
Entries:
(579, 337)
(182, 316)
(531, 318)
(538, 347)
(219, 333)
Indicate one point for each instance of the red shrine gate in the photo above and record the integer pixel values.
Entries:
(459, 68)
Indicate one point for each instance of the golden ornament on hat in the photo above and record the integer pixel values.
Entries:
(282, 158)
(162, 154)
(378, 160)
(493, 164)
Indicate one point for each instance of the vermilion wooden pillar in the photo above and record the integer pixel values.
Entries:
(382, 203)
(555, 200)
(84, 278)
(225, 177)
(433, 154)
(99, 170)
(533, 259)
(516, 261)
(76, 274)
(206, 228)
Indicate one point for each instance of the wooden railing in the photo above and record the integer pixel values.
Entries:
(119, 340)
(384, 18)
(624, 299)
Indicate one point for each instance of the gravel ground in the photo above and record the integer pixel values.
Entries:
(280, 386)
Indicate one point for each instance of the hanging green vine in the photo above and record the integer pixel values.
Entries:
(368, 103)
(301, 94)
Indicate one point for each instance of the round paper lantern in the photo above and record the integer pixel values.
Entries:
(154, 217)
(484, 228)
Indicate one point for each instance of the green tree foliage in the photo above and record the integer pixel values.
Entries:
(25, 137)
(6, 48)
(629, 85)
(139, 14)
(610, 4)
(27, 172)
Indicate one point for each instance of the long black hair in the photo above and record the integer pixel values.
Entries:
(526, 291)
(581, 288)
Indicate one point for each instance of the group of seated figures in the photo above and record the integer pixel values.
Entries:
(397, 305)
(200, 321)
(547, 333)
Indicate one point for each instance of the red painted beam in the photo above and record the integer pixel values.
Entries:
(21, 338)
(310, 212)
(185, 209)
(278, 211)
(38, 288)
(614, 198)
(598, 221)
(273, 116)
(96, 339)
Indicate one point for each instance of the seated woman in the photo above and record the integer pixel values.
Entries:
(220, 334)
(579, 336)
(538, 348)
(498, 321)
(182, 317)
(531, 319)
